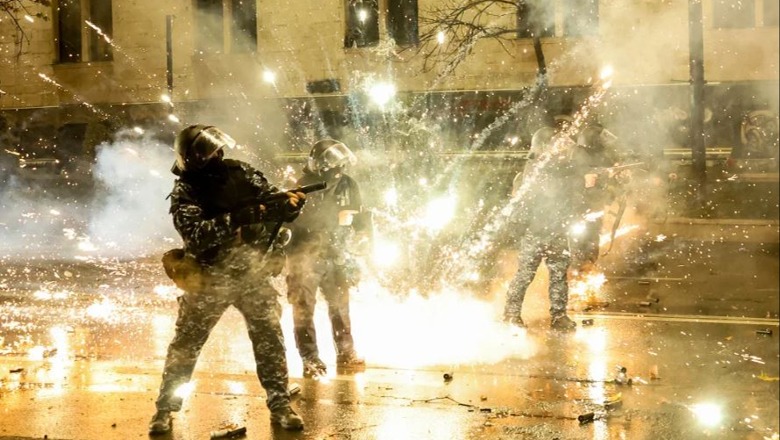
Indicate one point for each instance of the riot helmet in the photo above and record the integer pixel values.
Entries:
(596, 138)
(197, 144)
(328, 157)
(540, 142)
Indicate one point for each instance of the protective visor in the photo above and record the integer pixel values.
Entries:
(206, 144)
(334, 156)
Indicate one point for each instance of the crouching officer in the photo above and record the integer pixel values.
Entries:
(318, 255)
(227, 260)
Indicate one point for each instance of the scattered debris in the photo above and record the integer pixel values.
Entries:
(482, 398)
(294, 389)
(764, 331)
(622, 378)
(586, 418)
(50, 352)
(16, 370)
(614, 402)
(645, 303)
(485, 410)
(654, 373)
(766, 378)
(229, 433)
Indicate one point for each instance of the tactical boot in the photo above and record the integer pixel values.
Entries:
(287, 418)
(350, 362)
(161, 423)
(563, 323)
(314, 367)
(516, 321)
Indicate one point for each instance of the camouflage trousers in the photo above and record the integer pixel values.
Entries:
(200, 311)
(554, 249)
(334, 281)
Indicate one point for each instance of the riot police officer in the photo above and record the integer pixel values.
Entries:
(319, 258)
(217, 209)
(546, 196)
(595, 152)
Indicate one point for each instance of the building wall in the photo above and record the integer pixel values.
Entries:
(645, 42)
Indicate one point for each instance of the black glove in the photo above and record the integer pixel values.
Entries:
(284, 212)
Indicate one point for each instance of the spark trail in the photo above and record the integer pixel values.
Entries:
(465, 258)
(78, 98)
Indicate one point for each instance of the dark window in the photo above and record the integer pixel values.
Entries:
(208, 21)
(402, 22)
(244, 30)
(771, 14)
(100, 16)
(69, 31)
(362, 23)
(535, 18)
(581, 18)
(734, 13)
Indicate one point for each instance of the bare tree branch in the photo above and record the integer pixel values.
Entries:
(18, 10)
(450, 31)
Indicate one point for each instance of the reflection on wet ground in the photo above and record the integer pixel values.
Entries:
(81, 357)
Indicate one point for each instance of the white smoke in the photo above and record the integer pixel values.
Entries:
(129, 217)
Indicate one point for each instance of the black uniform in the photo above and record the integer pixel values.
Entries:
(547, 206)
(215, 210)
(318, 258)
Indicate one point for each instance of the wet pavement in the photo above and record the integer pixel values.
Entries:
(691, 316)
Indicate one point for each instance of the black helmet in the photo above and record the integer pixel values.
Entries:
(540, 141)
(596, 137)
(329, 154)
(197, 144)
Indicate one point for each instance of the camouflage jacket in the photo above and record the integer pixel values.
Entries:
(216, 210)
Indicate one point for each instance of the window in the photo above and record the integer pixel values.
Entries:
(362, 28)
(82, 28)
(535, 19)
(244, 30)
(734, 13)
(402, 22)
(771, 14)
(210, 19)
(581, 18)
(100, 15)
(69, 31)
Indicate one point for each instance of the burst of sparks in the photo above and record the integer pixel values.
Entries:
(269, 77)
(103, 309)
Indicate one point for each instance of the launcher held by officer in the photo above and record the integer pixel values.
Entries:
(320, 258)
(227, 260)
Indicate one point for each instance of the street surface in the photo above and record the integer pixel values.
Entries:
(82, 345)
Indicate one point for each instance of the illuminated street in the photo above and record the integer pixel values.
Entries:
(84, 342)
(530, 219)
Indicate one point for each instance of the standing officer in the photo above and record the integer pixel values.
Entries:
(596, 151)
(547, 196)
(319, 258)
(227, 260)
